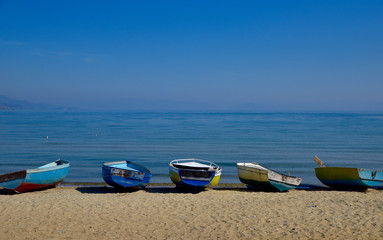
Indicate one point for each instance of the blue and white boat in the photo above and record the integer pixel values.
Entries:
(48, 175)
(258, 176)
(194, 172)
(126, 175)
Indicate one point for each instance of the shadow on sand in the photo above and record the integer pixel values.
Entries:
(11, 192)
(185, 190)
(98, 190)
(7, 192)
(164, 190)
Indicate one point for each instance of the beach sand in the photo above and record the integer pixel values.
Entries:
(167, 213)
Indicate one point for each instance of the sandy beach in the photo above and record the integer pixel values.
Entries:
(168, 213)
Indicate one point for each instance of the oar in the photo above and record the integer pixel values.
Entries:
(318, 161)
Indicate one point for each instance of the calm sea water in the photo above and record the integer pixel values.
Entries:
(285, 142)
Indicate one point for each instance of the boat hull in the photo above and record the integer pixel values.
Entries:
(194, 177)
(126, 175)
(175, 176)
(341, 177)
(260, 177)
(45, 176)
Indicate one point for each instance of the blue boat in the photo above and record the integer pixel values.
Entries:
(255, 175)
(348, 177)
(126, 175)
(48, 175)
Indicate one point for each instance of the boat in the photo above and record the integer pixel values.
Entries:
(263, 178)
(194, 172)
(48, 175)
(126, 175)
(348, 177)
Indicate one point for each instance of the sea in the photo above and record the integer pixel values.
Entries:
(284, 142)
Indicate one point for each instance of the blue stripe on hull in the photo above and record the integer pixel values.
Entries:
(372, 183)
(12, 184)
(47, 177)
(268, 185)
(129, 182)
(345, 183)
(194, 183)
(370, 178)
(282, 186)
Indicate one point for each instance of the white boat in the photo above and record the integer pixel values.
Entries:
(258, 176)
(194, 172)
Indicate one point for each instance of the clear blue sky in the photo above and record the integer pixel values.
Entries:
(194, 55)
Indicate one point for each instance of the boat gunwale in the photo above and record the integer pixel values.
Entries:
(13, 176)
(215, 167)
(353, 168)
(267, 170)
(48, 169)
(40, 169)
(141, 168)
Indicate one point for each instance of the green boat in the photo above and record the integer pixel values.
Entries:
(344, 177)
(348, 177)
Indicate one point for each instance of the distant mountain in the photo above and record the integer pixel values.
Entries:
(7, 103)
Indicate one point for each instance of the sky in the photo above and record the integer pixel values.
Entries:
(194, 55)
